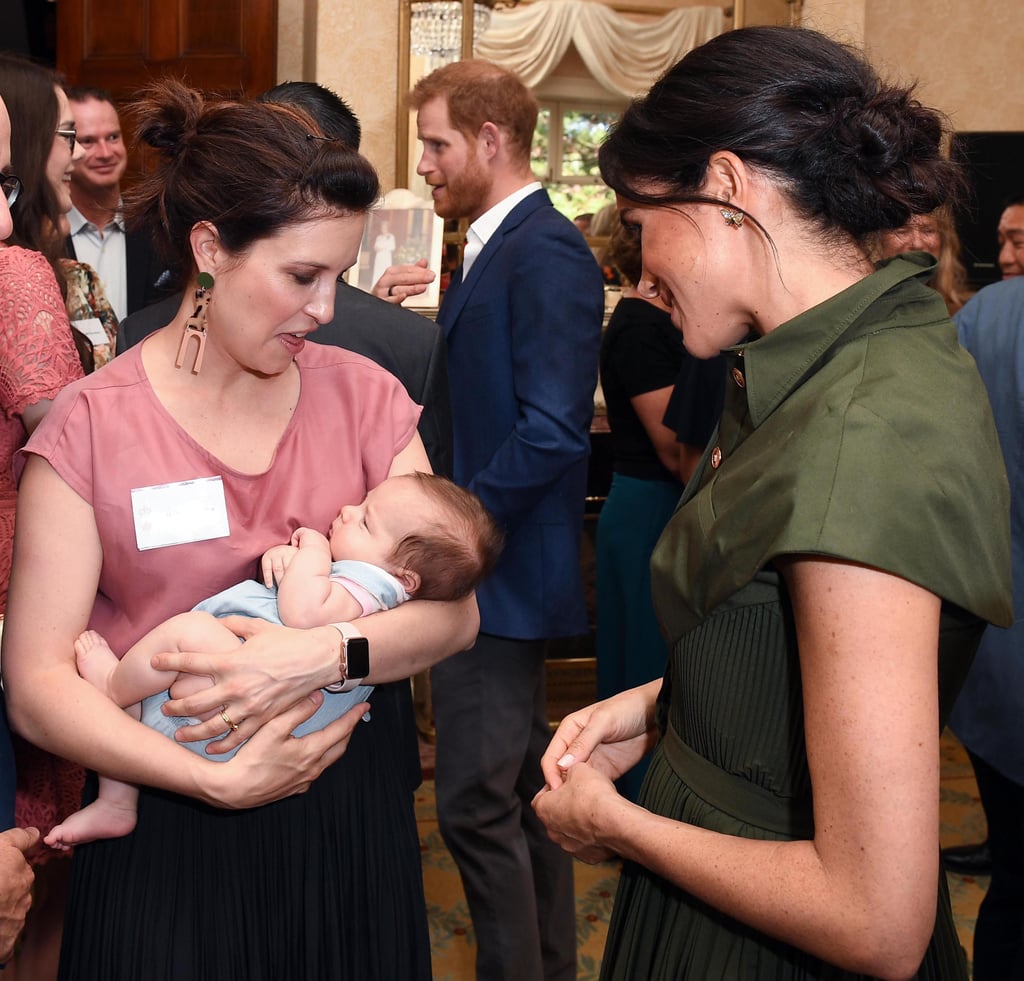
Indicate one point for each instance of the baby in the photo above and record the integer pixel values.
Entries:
(414, 535)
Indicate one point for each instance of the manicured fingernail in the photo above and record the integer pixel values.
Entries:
(567, 760)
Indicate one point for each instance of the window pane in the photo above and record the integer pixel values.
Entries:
(540, 156)
(582, 135)
(576, 199)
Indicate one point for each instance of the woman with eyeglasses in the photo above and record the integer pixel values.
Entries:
(38, 357)
(40, 220)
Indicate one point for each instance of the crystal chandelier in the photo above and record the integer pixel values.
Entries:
(436, 28)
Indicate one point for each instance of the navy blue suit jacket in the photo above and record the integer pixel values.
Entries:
(523, 334)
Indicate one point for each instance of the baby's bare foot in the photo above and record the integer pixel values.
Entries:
(101, 819)
(95, 659)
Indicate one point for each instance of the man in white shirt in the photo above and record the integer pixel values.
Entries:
(125, 262)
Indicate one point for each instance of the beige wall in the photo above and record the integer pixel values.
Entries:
(351, 46)
(965, 54)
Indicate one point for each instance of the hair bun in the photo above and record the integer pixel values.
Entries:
(168, 114)
(870, 138)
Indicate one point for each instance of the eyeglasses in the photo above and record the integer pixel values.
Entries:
(12, 188)
(70, 135)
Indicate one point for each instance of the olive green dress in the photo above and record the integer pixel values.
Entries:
(858, 430)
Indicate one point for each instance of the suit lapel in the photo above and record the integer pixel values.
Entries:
(459, 291)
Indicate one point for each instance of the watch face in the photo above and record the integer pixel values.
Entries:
(357, 657)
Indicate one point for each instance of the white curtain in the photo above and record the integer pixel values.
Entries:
(624, 55)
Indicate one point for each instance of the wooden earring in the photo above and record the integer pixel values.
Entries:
(195, 326)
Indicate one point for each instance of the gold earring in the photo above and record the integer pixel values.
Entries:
(195, 326)
(734, 218)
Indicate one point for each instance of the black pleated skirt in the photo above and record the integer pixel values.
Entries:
(322, 886)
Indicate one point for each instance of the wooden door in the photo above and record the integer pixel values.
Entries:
(223, 46)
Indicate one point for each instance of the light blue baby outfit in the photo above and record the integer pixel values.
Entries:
(252, 599)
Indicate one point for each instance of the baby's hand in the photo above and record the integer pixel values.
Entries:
(308, 538)
(275, 561)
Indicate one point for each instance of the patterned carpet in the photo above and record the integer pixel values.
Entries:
(451, 931)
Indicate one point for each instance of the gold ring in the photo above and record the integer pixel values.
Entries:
(227, 720)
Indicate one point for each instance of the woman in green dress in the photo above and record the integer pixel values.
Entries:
(825, 582)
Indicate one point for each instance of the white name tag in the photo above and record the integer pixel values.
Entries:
(93, 329)
(172, 514)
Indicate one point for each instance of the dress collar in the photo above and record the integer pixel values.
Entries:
(771, 367)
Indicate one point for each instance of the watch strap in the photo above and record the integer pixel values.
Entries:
(358, 664)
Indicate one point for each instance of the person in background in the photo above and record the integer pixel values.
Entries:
(642, 356)
(582, 222)
(975, 858)
(125, 261)
(987, 715)
(602, 226)
(1011, 238)
(16, 876)
(522, 318)
(828, 576)
(935, 234)
(224, 414)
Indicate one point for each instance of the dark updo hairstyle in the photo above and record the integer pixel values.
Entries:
(249, 168)
(330, 110)
(854, 154)
(28, 92)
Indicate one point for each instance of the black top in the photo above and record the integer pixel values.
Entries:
(696, 402)
(640, 352)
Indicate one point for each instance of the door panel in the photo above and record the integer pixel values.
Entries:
(225, 46)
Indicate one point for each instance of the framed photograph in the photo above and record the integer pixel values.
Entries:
(400, 234)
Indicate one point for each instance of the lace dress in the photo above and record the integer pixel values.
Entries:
(37, 359)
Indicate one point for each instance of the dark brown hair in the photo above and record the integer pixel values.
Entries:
(250, 168)
(623, 253)
(854, 154)
(451, 559)
(479, 92)
(83, 93)
(28, 92)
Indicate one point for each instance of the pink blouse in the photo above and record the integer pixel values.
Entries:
(109, 433)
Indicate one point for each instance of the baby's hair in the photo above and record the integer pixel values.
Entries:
(452, 558)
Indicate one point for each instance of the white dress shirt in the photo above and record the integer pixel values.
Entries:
(486, 225)
(104, 250)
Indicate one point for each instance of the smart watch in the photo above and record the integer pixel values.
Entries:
(355, 658)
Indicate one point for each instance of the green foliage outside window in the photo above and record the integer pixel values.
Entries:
(564, 157)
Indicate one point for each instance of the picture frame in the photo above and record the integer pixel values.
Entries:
(400, 231)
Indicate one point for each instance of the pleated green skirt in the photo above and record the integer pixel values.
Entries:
(732, 760)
